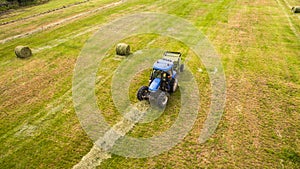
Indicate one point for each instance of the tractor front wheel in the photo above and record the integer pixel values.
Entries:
(162, 100)
(142, 93)
(173, 85)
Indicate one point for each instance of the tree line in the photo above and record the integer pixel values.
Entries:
(9, 4)
(20, 2)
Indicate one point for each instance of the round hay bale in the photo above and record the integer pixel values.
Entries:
(123, 49)
(23, 51)
(296, 9)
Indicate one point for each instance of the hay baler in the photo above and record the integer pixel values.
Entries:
(163, 79)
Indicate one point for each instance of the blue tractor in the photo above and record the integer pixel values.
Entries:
(163, 79)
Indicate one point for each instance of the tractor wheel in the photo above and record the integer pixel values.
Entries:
(162, 100)
(173, 85)
(142, 92)
(181, 68)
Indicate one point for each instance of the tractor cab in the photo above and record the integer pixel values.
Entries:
(162, 74)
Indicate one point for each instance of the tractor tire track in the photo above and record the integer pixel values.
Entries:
(43, 13)
(51, 25)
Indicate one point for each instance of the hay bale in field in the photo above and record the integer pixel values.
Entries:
(123, 49)
(296, 9)
(23, 51)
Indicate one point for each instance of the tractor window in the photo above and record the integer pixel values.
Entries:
(156, 73)
(170, 72)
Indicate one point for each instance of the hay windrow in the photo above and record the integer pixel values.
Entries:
(123, 49)
(23, 51)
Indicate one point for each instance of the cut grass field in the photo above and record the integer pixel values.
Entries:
(259, 46)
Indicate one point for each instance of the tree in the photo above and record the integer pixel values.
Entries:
(20, 2)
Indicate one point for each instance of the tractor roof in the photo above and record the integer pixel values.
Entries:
(163, 64)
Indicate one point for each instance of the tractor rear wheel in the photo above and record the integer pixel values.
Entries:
(142, 93)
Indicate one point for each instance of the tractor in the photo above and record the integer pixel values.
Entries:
(163, 80)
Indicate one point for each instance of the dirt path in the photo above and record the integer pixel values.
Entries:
(72, 18)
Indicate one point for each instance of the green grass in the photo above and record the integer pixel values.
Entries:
(258, 49)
